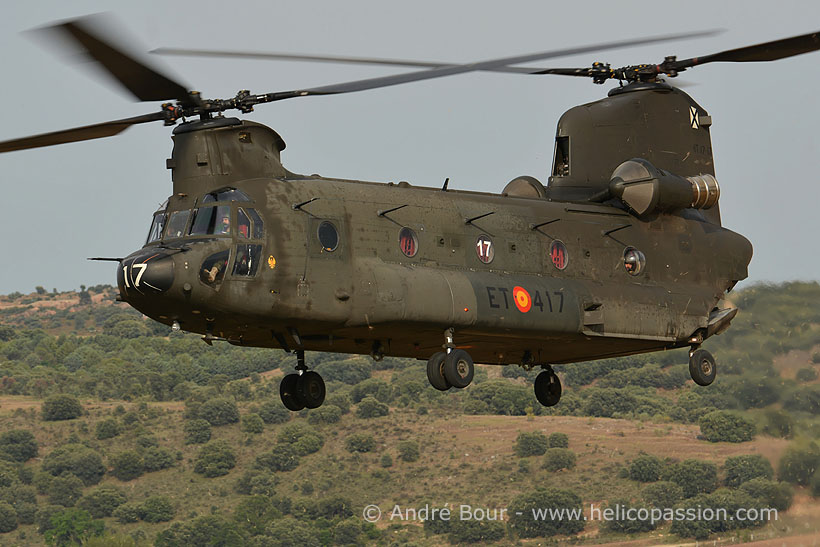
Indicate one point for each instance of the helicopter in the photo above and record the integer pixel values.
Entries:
(621, 252)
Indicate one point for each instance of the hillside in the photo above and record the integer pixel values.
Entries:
(179, 443)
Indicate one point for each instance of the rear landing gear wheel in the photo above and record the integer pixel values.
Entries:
(435, 372)
(311, 389)
(702, 367)
(459, 368)
(547, 388)
(289, 393)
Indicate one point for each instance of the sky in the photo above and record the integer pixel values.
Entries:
(63, 204)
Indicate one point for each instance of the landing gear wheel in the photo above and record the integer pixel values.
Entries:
(547, 388)
(311, 389)
(289, 393)
(702, 367)
(459, 368)
(435, 372)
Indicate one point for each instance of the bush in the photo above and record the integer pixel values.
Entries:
(645, 468)
(530, 444)
(558, 440)
(347, 532)
(662, 494)
(360, 442)
(43, 516)
(127, 465)
(771, 494)
(475, 531)
(303, 438)
(156, 509)
(386, 460)
(804, 398)
(78, 460)
(327, 414)
(107, 429)
(102, 501)
(127, 512)
(156, 458)
(254, 513)
(18, 445)
(253, 424)
(502, 397)
(806, 374)
(559, 458)
(197, 431)
(65, 490)
(524, 523)
(272, 412)
(778, 423)
(373, 387)
(408, 450)
(72, 526)
(205, 530)
(61, 407)
(219, 411)
(726, 426)
(740, 469)
(693, 476)
(799, 464)
(627, 518)
(215, 459)
(369, 407)
(8, 518)
(283, 457)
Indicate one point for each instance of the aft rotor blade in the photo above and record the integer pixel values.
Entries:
(396, 79)
(85, 133)
(145, 83)
(768, 51)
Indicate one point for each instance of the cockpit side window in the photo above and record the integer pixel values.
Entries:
(211, 221)
(258, 225)
(243, 224)
(177, 223)
(226, 194)
(247, 260)
(155, 233)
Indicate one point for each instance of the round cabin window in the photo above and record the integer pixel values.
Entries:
(634, 261)
(328, 236)
(485, 249)
(408, 242)
(558, 254)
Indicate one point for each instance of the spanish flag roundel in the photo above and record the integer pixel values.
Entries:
(522, 299)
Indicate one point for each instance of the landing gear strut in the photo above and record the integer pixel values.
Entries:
(702, 366)
(450, 368)
(547, 387)
(303, 389)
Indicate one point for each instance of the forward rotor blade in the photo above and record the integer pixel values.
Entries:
(384, 81)
(768, 51)
(145, 83)
(85, 133)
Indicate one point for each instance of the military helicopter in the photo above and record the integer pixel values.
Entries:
(621, 252)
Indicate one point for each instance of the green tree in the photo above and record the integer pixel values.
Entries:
(8, 518)
(303, 438)
(253, 424)
(61, 407)
(369, 407)
(772, 494)
(530, 444)
(78, 460)
(156, 509)
(693, 476)
(127, 512)
(408, 450)
(65, 490)
(107, 429)
(645, 468)
(72, 526)
(215, 459)
(282, 457)
(799, 463)
(102, 501)
(254, 513)
(360, 442)
(204, 531)
(778, 423)
(627, 518)
(559, 458)
(127, 465)
(197, 431)
(558, 440)
(155, 458)
(18, 445)
(662, 494)
(726, 426)
(326, 414)
(740, 469)
(219, 411)
(526, 522)
(272, 412)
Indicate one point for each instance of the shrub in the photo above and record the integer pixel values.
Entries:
(347, 532)
(215, 459)
(254, 513)
(8, 474)
(43, 516)
(645, 468)
(219, 411)
(18, 445)
(206, 530)
(369, 407)
(340, 401)
(360, 442)
(272, 412)
(740, 469)
(806, 374)
(804, 398)
(283, 457)
(156, 509)
(386, 460)
(253, 424)
(502, 397)
(102, 501)
(72, 526)
(408, 450)
(662, 494)
(799, 464)
(197, 431)
(61, 407)
(373, 387)
(8, 518)
(628, 518)
(475, 531)
(778, 423)
(524, 523)
(814, 485)
(127, 512)
(558, 440)
(772, 494)
(725, 426)
(303, 438)
(350, 371)
(326, 414)
(107, 429)
(530, 444)
(76, 459)
(693, 476)
(127, 465)
(65, 490)
(156, 458)
(559, 458)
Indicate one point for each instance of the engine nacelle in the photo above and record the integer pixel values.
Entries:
(645, 189)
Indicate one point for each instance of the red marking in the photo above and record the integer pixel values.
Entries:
(522, 299)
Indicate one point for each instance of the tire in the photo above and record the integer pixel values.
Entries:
(702, 367)
(311, 389)
(458, 368)
(289, 393)
(547, 388)
(435, 372)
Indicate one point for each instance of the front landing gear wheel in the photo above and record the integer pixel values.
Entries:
(547, 388)
(458, 368)
(311, 389)
(435, 372)
(702, 367)
(289, 393)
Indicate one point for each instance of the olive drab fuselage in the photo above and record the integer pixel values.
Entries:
(536, 275)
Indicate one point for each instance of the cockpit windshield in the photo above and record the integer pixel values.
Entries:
(155, 233)
(177, 223)
(211, 221)
(226, 194)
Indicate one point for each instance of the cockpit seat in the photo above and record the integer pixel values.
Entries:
(525, 187)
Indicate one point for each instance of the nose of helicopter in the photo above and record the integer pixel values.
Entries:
(145, 272)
